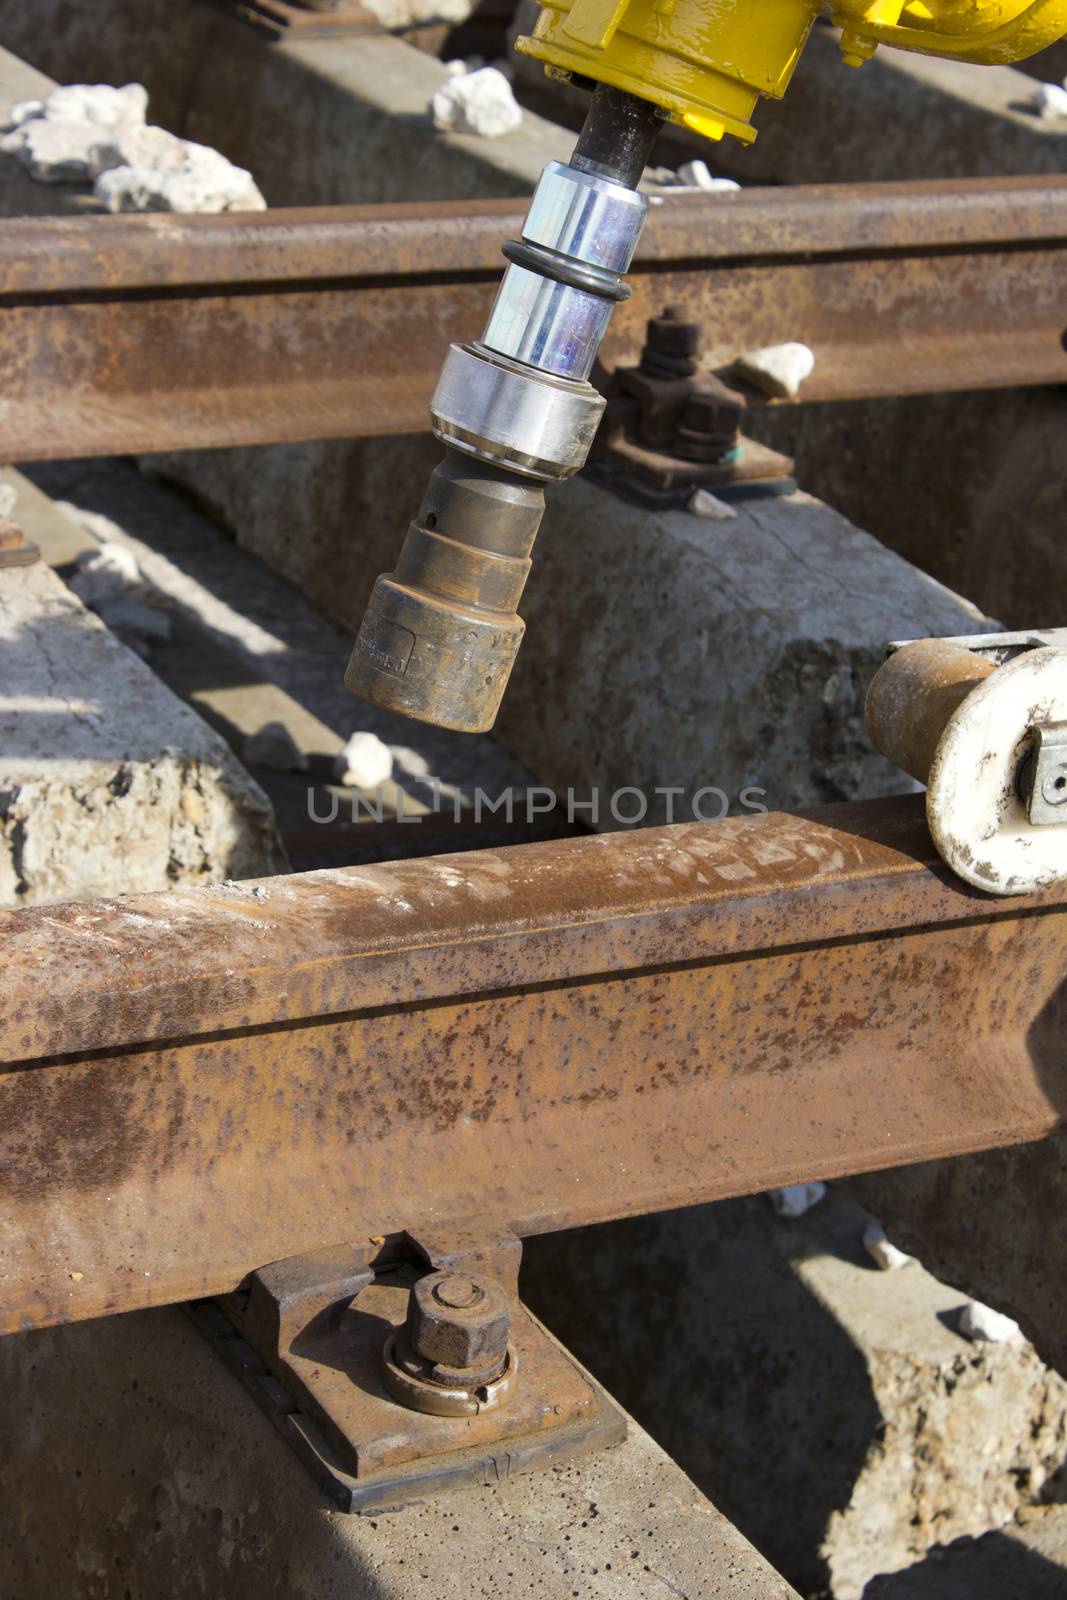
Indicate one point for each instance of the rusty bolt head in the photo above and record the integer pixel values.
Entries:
(716, 411)
(673, 334)
(710, 423)
(455, 1320)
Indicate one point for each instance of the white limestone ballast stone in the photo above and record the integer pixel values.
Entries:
(702, 503)
(480, 102)
(365, 762)
(53, 137)
(981, 1322)
(158, 172)
(94, 133)
(777, 369)
(796, 1198)
(696, 175)
(883, 1253)
(106, 573)
(400, 14)
(1049, 100)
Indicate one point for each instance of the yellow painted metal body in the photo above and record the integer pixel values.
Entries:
(706, 62)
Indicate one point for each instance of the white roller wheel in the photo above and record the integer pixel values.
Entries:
(978, 822)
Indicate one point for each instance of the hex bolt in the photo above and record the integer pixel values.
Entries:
(672, 344)
(673, 333)
(458, 1294)
(452, 1357)
(459, 1324)
(710, 423)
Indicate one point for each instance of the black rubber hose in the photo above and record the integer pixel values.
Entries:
(617, 137)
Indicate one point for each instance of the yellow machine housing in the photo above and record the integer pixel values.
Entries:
(706, 62)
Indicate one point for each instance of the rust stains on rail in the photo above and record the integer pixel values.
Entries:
(162, 332)
(205, 1080)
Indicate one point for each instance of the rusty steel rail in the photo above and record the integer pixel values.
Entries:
(202, 1081)
(171, 332)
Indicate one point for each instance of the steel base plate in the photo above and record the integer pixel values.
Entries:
(653, 478)
(370, 1454)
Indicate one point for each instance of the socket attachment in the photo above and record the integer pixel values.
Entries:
(440, 634)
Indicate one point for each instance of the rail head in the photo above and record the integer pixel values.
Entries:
(100, 255)
(107, 975)
(200, 1082)
(123, 335)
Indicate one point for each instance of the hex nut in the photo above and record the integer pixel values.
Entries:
(456, 1320)
(673, 334)
(717, 412)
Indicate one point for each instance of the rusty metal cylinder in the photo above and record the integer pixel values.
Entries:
(914, 694)
(441, 632)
